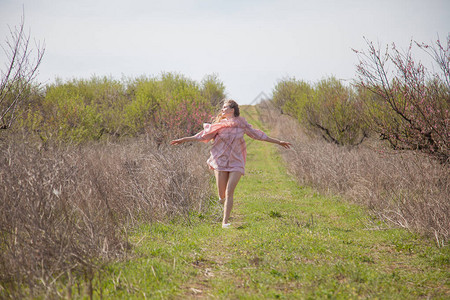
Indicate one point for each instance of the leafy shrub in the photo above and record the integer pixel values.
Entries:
(173, 102)
(336, 113)
(213, 90)
(329, 109)
(291, 96)
(145, 97)
(79, 110)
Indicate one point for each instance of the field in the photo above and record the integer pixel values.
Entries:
(136, 219)
(287, 241)
(95, 203)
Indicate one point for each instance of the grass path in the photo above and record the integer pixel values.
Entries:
(286, 242)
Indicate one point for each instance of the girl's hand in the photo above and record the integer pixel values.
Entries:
(286, 145)
(177, 142)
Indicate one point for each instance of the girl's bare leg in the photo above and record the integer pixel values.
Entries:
(233, 179)
(221, 181)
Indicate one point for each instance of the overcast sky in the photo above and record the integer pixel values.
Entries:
(250, 45)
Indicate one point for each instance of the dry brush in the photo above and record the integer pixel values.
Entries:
(406, 188)
(66, 210)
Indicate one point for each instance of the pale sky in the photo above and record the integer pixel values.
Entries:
(250, 45)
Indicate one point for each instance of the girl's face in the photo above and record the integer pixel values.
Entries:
(227, 111)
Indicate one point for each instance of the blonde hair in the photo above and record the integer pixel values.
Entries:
(233, 104)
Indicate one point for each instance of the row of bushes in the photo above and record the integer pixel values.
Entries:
(78, 110)
(406, 188)
(408, 107)
(327, 108)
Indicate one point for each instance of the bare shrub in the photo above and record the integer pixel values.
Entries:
(409, 107)
(66, 210)
(20, 70)
(406, 188)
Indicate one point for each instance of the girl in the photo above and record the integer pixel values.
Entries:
(228, 153)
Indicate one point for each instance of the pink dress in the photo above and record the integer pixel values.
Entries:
(229, 152)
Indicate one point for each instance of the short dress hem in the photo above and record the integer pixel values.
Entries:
(240, 170)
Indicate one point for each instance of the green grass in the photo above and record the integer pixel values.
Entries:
(287, 241)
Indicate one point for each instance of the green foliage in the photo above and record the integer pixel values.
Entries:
(291, 96)
(71, 112)
(32, 98)
(79, 110)
(173, 102)
(328, 108)
(144, 102)
(336, 113)
(378, 112)
(213, 90)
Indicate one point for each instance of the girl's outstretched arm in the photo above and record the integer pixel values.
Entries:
(260, 135)
(286, 145)
(184, 140)
(208, 133)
